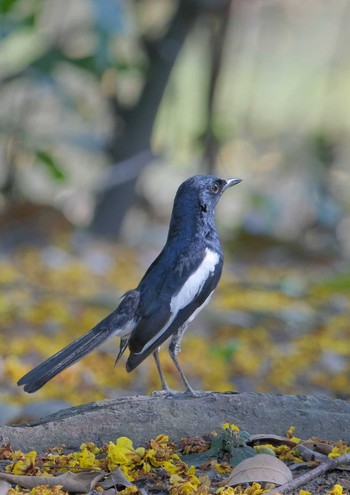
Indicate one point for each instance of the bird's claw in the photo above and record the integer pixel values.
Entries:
(166, 393)
(198, 393)
(169, 393)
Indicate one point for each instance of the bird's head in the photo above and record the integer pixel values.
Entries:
(195, 203)
(203, 191)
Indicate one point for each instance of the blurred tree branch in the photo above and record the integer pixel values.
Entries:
(218, 32)
(52, 46)
(135, 140)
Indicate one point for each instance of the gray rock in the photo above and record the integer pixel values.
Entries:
(142, 418)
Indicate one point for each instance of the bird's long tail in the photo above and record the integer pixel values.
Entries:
(115, 323)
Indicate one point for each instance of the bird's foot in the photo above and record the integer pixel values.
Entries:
(166, 392)
(197, 393)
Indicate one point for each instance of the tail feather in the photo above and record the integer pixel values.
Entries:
(64, 358)
(116, 323)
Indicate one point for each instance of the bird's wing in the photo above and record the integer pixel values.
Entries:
(184, 291)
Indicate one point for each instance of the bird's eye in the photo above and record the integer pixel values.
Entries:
(215, 187)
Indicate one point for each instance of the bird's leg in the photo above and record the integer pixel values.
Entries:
(174, 349)
(166, 390)
(165, 386)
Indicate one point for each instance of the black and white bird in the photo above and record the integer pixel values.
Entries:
(174, 289)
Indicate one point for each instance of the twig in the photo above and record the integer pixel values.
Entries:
(311, 475)
(311, 455)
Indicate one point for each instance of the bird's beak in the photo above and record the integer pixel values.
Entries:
(230, 183)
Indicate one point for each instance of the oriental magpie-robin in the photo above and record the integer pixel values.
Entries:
(177, 285)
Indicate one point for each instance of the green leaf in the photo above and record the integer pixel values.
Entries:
(244, 437)
(261, 449)
(241, 453)
(51, 164)
(216, 448)
(6, 5)
(198, 458)
(226, 442)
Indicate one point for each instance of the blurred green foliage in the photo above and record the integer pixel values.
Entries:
(279, 117)
(51, 164)
(38, 41)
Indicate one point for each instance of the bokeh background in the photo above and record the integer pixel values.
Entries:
(106, 106)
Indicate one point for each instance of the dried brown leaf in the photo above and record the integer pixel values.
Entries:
(70, 482)
(271, 438)
(318, 446)
(262, 467)
(4, 487)
(115, 478)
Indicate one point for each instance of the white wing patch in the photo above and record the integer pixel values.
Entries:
(188, 292)
(195, 282)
